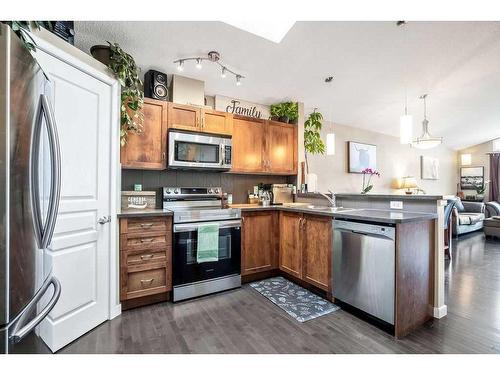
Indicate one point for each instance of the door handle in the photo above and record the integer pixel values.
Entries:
(104, 219)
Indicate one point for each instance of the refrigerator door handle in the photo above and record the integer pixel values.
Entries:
(20, 329)
(55, 185)
(34, 165)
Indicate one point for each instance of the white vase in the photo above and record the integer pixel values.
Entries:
(312, 182)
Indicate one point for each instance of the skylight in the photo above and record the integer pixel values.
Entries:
(273, 30)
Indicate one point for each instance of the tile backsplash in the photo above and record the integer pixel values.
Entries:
(237, 184)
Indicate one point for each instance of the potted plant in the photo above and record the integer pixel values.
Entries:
(101, 53)
(367, 185)
(313, 144)
(126, 72)
(287, 112)
(480, 189)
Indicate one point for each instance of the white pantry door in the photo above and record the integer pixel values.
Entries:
(79, 253)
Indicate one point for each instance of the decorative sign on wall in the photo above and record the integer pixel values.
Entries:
(240, 107)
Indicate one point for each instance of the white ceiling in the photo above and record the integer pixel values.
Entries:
(456, 63)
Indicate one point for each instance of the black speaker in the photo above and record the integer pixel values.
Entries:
(155, 85)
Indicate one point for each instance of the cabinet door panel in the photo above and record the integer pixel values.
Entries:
(290, 254)
(216, 122)
(281, 148)
(317, 251)
(147, 150)
(259, 252)
(248, 144)
(183, 117)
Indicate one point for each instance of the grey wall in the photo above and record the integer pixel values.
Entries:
(236, 184)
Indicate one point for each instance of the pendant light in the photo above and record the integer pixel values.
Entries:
(405, 121)
(426, 141)
(330, 137)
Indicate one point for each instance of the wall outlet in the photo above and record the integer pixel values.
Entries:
(397, 205)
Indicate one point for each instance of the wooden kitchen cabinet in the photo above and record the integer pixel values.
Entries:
(216, 122)
(266, 147)
(147, 150)
(305, 250)
(290, 251)
(317, 251)
(184, 117)
(259, 242)
(248, 144)
(145, 260)
(281, 150)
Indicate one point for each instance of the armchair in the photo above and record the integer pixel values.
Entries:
(468, 217)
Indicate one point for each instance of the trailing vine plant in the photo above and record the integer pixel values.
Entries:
(126, 72)
(313, 144)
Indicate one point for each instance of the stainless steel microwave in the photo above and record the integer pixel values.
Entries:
(188, 150)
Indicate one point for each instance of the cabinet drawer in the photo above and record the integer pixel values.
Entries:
(145, 241)
(143, 281)
(143, 257)
(144, 225)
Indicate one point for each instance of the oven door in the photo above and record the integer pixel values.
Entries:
(185, 268)
(192, 150)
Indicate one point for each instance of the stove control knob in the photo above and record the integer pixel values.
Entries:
(168, 191)
(210, 191)
(216, 191)
(176, 191)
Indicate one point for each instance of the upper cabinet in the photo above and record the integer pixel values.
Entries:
(147, 150)
(185, 117)
(216, 122)
(198, 119)
(248, 144)
(265, 147)
(281, 148)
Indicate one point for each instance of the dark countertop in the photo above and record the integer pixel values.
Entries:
(378, 216)
(145, 213)
(390, 196)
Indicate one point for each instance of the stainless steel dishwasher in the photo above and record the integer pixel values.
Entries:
(363, 267)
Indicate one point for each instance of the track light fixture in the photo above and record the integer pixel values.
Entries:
(213, 57)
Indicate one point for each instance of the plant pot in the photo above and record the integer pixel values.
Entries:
(284, 119)
(275, 118)
(101, 53)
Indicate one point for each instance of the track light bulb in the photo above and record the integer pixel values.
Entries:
(238, 80)
(180, 67)
(223, 73)
(198, 63)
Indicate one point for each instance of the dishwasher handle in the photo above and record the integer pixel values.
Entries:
(381, 236)
(365, 229)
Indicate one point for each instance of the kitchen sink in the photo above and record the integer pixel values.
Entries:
(330, 209)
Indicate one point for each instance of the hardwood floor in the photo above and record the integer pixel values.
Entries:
(243, 321)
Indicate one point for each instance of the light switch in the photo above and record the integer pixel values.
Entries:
(397, 205)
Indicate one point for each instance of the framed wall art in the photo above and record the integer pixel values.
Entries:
(361, 156)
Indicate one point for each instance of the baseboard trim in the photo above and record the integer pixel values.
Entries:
(440, 312)
(115, 311)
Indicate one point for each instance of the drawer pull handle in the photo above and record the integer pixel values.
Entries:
(147, 281)
(146, 225)
(148, 256)
(147, 240)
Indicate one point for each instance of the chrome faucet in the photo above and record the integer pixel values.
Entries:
(331, 200)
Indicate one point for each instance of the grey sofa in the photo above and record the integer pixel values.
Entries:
(467, 217)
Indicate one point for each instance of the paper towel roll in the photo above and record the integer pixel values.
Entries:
(312, 182)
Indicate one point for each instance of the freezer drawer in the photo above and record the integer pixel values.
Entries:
(364, 267)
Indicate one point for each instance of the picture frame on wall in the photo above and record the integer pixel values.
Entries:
(470, 177)
(429, 168)
(361, 156)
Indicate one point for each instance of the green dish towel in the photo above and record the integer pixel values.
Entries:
(208, 243)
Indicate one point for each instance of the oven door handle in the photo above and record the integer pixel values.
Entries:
(193, 227)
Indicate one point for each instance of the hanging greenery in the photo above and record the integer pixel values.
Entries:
(313, 144)
(126, 72)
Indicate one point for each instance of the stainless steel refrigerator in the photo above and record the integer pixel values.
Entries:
(29, 192)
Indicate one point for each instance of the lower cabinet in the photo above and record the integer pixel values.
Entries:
(306, 248)
(259, 242)
(145, 257)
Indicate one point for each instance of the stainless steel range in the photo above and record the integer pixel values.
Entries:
(193, 208)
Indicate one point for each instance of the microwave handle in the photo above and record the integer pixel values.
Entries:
(222, 154)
